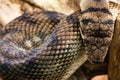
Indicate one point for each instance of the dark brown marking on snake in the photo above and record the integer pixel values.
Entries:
(91, 9)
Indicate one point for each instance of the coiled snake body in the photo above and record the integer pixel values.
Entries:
(34, 60)
(42, 45)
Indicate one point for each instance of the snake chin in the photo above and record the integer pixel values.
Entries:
(97, 55)
(97, 48)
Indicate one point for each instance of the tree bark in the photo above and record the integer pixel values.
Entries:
(114, 55)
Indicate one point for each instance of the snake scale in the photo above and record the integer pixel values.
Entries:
(42, 45)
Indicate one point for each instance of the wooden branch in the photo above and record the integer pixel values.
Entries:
(114, 55)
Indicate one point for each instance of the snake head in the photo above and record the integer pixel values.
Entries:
(98, 36)
(97, 28)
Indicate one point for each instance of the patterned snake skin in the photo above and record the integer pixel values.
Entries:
(42, 45)
(25, 58)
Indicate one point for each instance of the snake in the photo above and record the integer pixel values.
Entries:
(41, 45)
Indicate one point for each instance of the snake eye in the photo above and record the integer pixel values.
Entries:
(86, 21)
